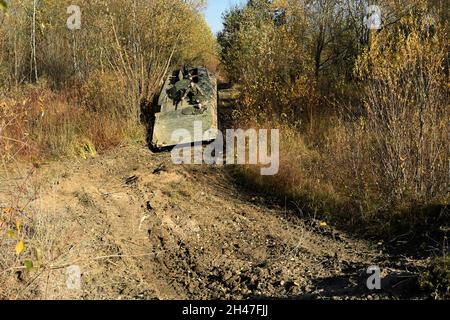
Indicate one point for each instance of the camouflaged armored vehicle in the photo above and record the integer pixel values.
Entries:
(188, 96)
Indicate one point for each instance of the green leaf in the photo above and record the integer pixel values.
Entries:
(28, 264)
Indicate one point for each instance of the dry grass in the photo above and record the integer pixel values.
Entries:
(340, 181)
(40, 123)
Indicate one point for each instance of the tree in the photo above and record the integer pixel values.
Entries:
(135, 40)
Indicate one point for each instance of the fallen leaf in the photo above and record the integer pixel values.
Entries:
(38, 254)
(323, 224)
(28, 264)
(20, 246)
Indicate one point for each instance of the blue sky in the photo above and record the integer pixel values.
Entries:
(215, 10)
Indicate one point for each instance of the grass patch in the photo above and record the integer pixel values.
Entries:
(337, 181)
(437, 278)
(38, 123)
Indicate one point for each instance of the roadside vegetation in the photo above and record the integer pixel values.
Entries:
(364, 113)
(67, 92)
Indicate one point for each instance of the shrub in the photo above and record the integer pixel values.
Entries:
(368, 152)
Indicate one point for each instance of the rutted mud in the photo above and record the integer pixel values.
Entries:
(142, 228)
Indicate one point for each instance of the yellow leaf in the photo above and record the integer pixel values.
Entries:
(323, 224)
(20, 246)
(18, 226)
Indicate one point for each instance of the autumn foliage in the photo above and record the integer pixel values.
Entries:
(363, 113)
(62, 89)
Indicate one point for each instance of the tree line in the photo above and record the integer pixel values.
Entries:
(364, 110)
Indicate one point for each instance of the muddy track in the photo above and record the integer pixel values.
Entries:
(140, 227)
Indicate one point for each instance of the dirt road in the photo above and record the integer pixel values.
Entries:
(140, 227)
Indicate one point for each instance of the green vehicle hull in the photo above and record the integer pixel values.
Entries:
(187, 102)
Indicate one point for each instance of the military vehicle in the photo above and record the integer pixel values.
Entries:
(188, 96)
